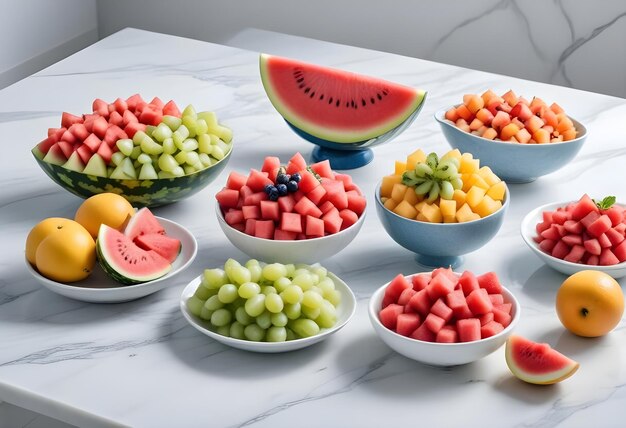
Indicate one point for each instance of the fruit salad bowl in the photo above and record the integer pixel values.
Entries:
(441, 354)
(140, 193)
(440, 244)
(514, 162)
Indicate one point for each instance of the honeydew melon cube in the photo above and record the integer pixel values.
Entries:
(405, 209)
(398, 191)
(411, 197)
(453, 154)
(218, 153)
(192, 158)
(205, 159)
(150, 129)
(166, 174)
(201, 127)
(151, 147)
(110, 170)
(125, 146)
(204, 144)
(459, 197)
(221, 144)
(172, 122)
(128, 168)
(198, 166)
(400, 168)
(496, 192)
(474, 196)
(181, 157)
(209, 117)
(390, 204)
(169, 147)
(189, 111)
(476, 180)
(138, 137)
(191, 124)
(96, 166)
(488, 175)
(487, 206)
(134, 154)
(225, 134)
(144, 158)
(414, 158)
(448, 207)
(469, 164)
(51, 158)
(162, 132)
(387, 184)
(167, 163)
(178, 171)
(432, 213)
(136, 164)
(189, 169)
(74, 163)
(117, 158)
(190, 145)
(147, 172)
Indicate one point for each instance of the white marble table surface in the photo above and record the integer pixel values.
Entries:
(140, 364)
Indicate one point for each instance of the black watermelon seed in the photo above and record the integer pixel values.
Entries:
(363, 103)
(301, 85)
(300, 80)
(337, 103)
(321, 97)
(306, 91)
(372, 100)
(379, 97)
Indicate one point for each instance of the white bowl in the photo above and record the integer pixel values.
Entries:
(100, 288)
(568, 268)
(345, 311)
(306, 251)
(441, 354)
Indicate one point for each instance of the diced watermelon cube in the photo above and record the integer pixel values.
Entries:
(69, 137)
(281, 235)
(501, 317)
(66, 148)
(469, 329)
(264, 229)
(420, 282)
(326, 206)
(227, 198)
(105, 152)
(356, 203)
(271, 164)
(397, 286)
(584, 207)
(323, 169)
(405, 296)
(45, 145)
(604, 241)
(614, 236)
(157, 102)
(85, 153)
(572, 240)
(346, 179)
(250, 226)
(468, 282)
(239, 226)
(339, 199)
(593, 260)
(504, 307)
(490, 282)
(332, 221)
(245, 191)
(316, 195)
(478, 302)
(608, 258)
(99, 127)
(389, 315)
(446, 335)
(233, 217)
(407, 324)
(560, 217)
(291, 222)
(131, 128)
(599, 226)
(387, 300)
(592, 246)
(286, 203)
(442, 310)
(440, 286)
(543, 226)
(236, 180)
(576, 254)
(547, 245)
(92, 142)
(434, 323)
(490, 329)
(496, 299)
(305, 207)
(308, 182)
(560, 250)
(270, 210)
(590, 218)
(486, 318)
(251, 212)
(552, 233)
(255, 198)
(620, 252)
(171, 109)
(314, 227)
(133, 100)
(423, 333)
(421, 302)
(68, 119)
(128, 117)
(574, 227)
(151, 115)
(296, 164)
(257, 181)
(348, 217)
(79, 131)
(116, 119)
(621, 228)
(297, 195)
(616, 214)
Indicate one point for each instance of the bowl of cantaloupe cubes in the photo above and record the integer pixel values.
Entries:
(441, 207)
(519, 139)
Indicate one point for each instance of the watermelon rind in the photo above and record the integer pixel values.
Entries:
(521, 353)
(334, 135)
(118, 273)
(140, 193)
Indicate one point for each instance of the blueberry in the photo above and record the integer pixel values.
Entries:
(268, 188)
(273, 195)
(296, 177)
(292, 186)
(282, 179)
(282, 189)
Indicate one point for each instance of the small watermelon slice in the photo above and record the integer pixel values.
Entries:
(143, 223)
(124, 261)
(336, 105)
(165, 246)
(537, 363)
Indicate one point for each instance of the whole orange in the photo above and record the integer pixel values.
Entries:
(590, 303)
(104, 208)
(42, 230)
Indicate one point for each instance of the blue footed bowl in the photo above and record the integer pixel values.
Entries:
(514, 162)
(440, 244)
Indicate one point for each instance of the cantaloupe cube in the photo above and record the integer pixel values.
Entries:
(421, 217)
(489, 176)
(411, 197)
(387, 184)
(463, 112)
(523, 136)
(496, 192)
(390, 204)
(420, 205)
(383, 200)
(398, 191)
(490, 134)
(489, 95)
(476, 124)
(509, 131)
(459, 197)
(510, 98)
(451, 115)
(541, 136)
(400, 168)
(474, 103)
(448, 210)
(456, 154)
(468, 164)
(465, 213)
(405, 209)
(475, 196)
(487, 206)
(432, 213)
(476, 180)
(462, 123)
(465, 178)
(570, 134)
(414, 158)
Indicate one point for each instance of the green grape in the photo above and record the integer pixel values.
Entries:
(446, 191)
(221, 317)
(311, 313)
(422, 170)
(290, 334)
(279, 319)
(328, 315)
(172, 122)
(264, 320)
(236, 304)
(304, 327)
(434, 192)
(268, 289)
(248, 290)
(203, 293)
(291, 269)
(326, 285)
(276, 334)
(293, 310)
(274, 303)
(205, 313)
(274, 271)
(223, 330)
(213, 303)
(255, 305)
(333, 297)
(311, 299)
(240, 275)
(254, 332)
(214, 278)
(292, 294)
(242, 316)
(255, 272)
(281, 284)
(236, 331)
(320, 271)
(457, 183)
(227, 293)
(316, 289)
(424, 188)
(304, 280)
(195, 304)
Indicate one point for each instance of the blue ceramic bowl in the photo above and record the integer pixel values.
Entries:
(514, 162)
(440, 244)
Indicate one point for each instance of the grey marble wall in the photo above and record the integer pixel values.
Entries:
(577, 43)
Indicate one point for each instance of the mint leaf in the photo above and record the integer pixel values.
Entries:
(605, 203)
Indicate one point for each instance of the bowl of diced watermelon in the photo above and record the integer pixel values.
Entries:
(444, 318)
(518, 139)
(577, 235)
(290, 214)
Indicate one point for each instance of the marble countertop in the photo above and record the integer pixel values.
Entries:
(140, 364)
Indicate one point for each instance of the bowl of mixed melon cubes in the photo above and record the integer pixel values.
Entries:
(441, 208)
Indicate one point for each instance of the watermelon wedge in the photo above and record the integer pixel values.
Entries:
(165, 246)
(335, 105)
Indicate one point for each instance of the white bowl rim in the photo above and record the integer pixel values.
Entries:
(536, 213)
(373, 312)
(220, 217)
(182, 267)
(439, 116)
(507, 198)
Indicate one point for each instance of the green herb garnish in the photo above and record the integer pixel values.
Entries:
(605, 203)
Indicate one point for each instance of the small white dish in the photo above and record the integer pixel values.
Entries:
(568, 268)
(441, 354)
(345, 311)
(100, 288)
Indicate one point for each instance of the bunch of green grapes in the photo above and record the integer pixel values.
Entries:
(434, 178)
(266, 302)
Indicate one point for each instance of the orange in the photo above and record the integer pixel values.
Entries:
(42, 230)
(590, 303)
(105, 208)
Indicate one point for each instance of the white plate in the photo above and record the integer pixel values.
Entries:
(100, 288)
(345, 311)
(528, 232)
